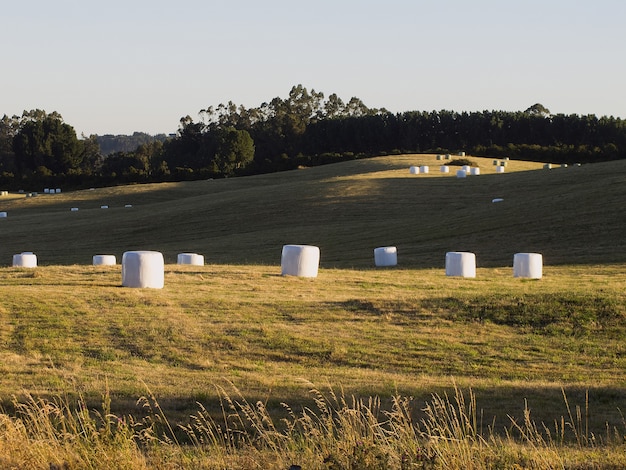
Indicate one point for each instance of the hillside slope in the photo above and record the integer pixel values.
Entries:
(572, 215)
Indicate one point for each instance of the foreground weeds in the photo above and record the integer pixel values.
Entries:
(336, 433)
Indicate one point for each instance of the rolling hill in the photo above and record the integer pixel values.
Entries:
(571, 215)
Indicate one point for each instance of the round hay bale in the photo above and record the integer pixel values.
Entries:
(300, 260)
(104, 207)
(190, 258)
(3, 215)
(128, 205)
(496, 162)
(414, 170)
(424, 169)
(500, 169)
(57, 190)
(444, 169)
(498, 199)
(104, 260)
(143, 269)
(528, 265)
(386, 256)
(461, 173)
(46, 191)
(74, 209)
(25, 259)
(460, 264)
(475, 171)
(439, 157)
(461, 154)
(466, 168)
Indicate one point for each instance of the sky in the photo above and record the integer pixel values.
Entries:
(122, 66)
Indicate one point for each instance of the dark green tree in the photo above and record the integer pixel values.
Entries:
(234, 150)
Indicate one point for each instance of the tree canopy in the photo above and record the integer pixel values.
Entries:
(304, 128)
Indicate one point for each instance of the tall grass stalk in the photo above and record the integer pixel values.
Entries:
(336, 432)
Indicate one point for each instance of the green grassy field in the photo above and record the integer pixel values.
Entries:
(67, 328)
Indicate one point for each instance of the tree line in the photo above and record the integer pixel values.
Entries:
(305, 128)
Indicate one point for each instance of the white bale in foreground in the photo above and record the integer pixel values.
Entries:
(529, 265)
(300, 260)
(3, 215)
(104, 260)
(386, 256)
(143, 269)
(444, 169)
(461, 173)
(475, 171)
(25, 259)
(414, 170)
(460, 263)
(190, 258)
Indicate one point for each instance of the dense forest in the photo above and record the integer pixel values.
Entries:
(305, 128)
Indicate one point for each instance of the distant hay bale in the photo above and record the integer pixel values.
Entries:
(461, 154)
(74, 209)
(104, 260)
(300, 260)
(104, 207)
(128, 205)
(496, 162)
(26, 259)
(3, 215)
(461, 173)
(386, 256)
(475, 171)
(528, 265)
(424, 169)
(500, 169)
(466, 169)
(498, 199)
(444, 169)
(439, 157)
(414, 170)
(57, 190)
(190, 258)
(4, 193)
(46, 191)
(143, 269)
(460, 264)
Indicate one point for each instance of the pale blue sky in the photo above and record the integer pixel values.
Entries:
(140, 65)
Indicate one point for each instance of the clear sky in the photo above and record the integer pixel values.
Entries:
(119, 66)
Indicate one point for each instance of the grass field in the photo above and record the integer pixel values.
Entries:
(68, 329)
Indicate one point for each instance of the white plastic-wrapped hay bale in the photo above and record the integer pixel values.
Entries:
(143, 269)
(128, 205)
(46, 190)
(500, 169)
(3, 215)
(74, 209)
(461, 173)
(4, 193)
(466, 168)
(104, 207)
(104, 260)
(386, 256)
(57, 190)
(475, 171)
(439, 157)
(444, 169)
(414, 170)
(460, 264)
(461, 154)
(529, 265)
(496, 162)
(26, 259)
(497, 199)
(190, 258)
(300, 260)
(424, 169)
(547, 166)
